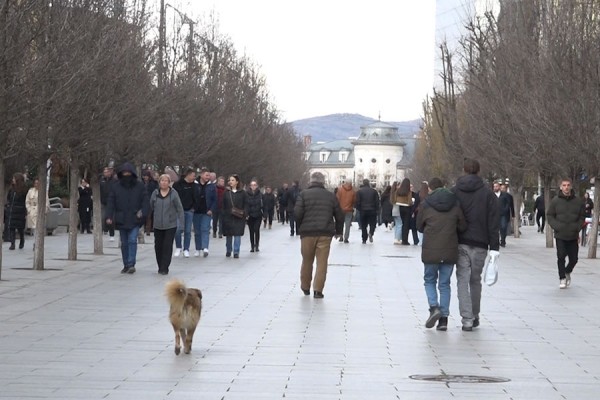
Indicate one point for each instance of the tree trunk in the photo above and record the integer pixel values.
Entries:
(2, 202)
(549, 231)
(593, 237)
(97, 207)
(73, 216)
(40, 227)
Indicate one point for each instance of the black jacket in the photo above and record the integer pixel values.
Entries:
(566, 215)
(268, 201)
(507, 205)
(128, 203)
(540, 205)
(440, 219)
(367, 199)
(255, 203)
(16, 210)
(318, 212)
(480, 207)
(233, 226)
(187, 193)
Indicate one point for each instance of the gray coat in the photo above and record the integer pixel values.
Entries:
(167, 211)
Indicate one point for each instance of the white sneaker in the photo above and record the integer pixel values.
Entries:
(196, 253)
(563, 284)
(205, 252)
(112, 239)
(568, 279)
(177, 253)
(186, 253)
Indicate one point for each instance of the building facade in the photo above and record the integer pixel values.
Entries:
(378, 154)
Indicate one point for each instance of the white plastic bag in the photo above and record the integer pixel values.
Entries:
(490, 271)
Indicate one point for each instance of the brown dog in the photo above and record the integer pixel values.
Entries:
(186, 306)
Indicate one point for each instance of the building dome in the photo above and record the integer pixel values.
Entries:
(379, 133)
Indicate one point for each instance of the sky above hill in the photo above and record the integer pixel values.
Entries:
(322, 57)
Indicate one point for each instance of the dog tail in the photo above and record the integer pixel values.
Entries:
(175, 290)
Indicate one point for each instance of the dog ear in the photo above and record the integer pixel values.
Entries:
(198, 292)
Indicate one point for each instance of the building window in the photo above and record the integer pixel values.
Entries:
(359, 178)
(323, 157)
(306, 155)
(342, 179)
(387, 180)
(343, 156)
(373, 160)
(373, 179)
(387, 161)
(360, 160)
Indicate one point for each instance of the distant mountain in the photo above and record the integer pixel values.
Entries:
(342, 126)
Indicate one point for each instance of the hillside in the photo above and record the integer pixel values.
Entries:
(342, 126)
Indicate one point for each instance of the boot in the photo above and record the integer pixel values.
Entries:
(434, 315)
(12, 246)
(22, 243)
(442, 324)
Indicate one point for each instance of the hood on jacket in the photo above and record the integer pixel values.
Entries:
(569, 197)
(347, 186)
(441, 199)
(469, 183)
(126, 167)
(316, 184)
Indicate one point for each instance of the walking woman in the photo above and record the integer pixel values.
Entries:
(84, 206)
(235, 210)
(255, 214)
(404, 200)
(386, 208)
(17, 212)
(31, 204)
(166, 211)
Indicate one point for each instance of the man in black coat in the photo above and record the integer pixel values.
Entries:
(566, 214)
(481, 210)
(318, 218)
(367, 204)
(127, 206)
(269, 206)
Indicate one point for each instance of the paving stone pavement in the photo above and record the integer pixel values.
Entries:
(82, 330)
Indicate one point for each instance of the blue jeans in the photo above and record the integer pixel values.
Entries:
(398, 228)
(129, 245)
(237, 240)
(202, 230)
(439, 274)
(347, 223)
(188, 217)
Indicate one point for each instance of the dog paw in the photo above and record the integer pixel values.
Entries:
(187, 350)
(177, 350)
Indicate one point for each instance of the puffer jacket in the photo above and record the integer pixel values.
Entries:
(127, 200)
(367, 199)
(440, 219)
(480, 207)
(566, 215)
(318, 212)
(255, 203)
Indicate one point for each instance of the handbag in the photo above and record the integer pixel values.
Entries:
(236, 212)
(490, 272)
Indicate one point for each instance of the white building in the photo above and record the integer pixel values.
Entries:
(378, 154)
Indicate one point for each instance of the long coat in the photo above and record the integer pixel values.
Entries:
(233, 226)
(17, 212)
(126, 199)
(31, 203)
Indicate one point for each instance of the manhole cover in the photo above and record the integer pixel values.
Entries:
(459, 378)
(398, 256)
(31, 269)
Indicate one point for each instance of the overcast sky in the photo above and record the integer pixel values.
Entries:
(322, 57)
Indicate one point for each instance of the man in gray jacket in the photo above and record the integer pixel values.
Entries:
(318, 218)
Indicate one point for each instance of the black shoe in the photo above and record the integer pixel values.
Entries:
(405, 244)
(236, 255)
(12, 247)
(256, 249)
(475, 322)
(442, 324)
(539, 229)
(220, 236)
(318, 295)
(131, 270)
(292, 234)
(364, 242)
(434, 315)
(341, 239)
(125, 269)
(252, 250)
(346, 241)
(214, 235)
(21, 245)
(502, 244)
(305, 291)
(467, 328)
(371, 238)
(228, 254)
(163, 272)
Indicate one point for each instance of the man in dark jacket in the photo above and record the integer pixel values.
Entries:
(440, 219)
(481, 210)
(566, 214)
(367, 204)
(106, 182)
(186, 189)
(290, 199)
(539, 209)
(269, 206)
(318, 218)
(204, 209)
(128, 206)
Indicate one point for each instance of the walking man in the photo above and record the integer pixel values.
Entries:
(440, 219)
(318, 218)
(481, 210)
(539, 209)
(566, 214)
(186, 189)
(346, 197)
(205, 204)
(367, 203)
(127, 208)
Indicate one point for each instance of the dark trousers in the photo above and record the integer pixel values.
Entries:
(564, 249)
(405, 216)
(368, 219)
(292, 220)
(163, 247)
(110, 228)
(503, 228)
(283, 215)
(540, 216)
(217, 220)
(413, 229)
(269, 216)
(85, 219)
(13, 236)
(254, 229)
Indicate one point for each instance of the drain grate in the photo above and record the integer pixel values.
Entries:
(459, 378)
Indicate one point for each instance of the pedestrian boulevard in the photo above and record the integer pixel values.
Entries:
(82, 330)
